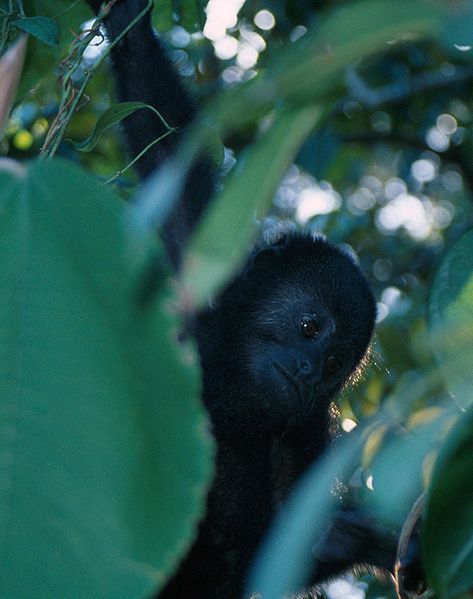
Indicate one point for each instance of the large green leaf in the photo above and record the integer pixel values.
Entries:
(451, 319)
(399, 464)
(448, 531)
(102, 444)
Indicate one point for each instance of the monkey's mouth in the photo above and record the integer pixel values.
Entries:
(288, 377)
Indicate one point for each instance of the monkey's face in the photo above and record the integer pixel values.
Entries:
(308, 330)
(297, 354)
(286, 334)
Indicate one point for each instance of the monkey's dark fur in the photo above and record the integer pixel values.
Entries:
(278, 344)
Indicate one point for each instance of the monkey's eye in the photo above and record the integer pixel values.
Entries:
(332, 365)
(309, 326)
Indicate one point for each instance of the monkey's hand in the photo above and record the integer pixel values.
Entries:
(409, 572)
(410, 576)
(354, 538)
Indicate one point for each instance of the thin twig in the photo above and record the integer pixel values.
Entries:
(402, 90)
(53, 139)
(136, 158)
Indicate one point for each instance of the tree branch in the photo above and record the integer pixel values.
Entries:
(401, 90)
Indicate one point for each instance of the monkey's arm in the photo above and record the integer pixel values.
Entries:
(143, 72)
(353, 536)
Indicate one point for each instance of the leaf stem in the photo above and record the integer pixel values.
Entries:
(136, 158)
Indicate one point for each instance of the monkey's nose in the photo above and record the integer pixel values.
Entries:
(303, 367)
(305, 371)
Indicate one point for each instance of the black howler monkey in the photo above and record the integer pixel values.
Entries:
(277, 345)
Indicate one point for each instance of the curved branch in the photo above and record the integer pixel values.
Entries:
(401, 90)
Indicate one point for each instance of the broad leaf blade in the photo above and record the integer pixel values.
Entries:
(99, 416)
(448, 531)
(451, 319)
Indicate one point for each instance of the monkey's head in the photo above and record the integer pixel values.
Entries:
(287, 333)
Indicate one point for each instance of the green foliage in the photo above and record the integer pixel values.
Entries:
(101, 433)
(100, 413)
(456, 29)
(314, 67)
(451, 310)
(41, 54)
(350, 34)
(107, 119)
(448, 526)
(189, 13)
(448, 532)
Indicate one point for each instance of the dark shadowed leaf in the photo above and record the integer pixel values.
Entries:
(107, 119)
(448, 531)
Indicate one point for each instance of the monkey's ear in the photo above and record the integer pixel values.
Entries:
(282, 241)
(264, 258)
(274, 242)
(348, 251)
